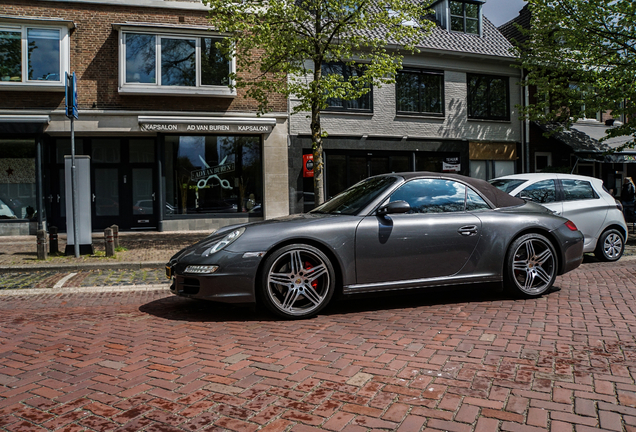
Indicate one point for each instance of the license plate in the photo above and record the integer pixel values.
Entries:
(168, 272)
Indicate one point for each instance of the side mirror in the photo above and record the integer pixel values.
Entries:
(394, 207)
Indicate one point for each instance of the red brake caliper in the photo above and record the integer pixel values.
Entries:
(308, 266)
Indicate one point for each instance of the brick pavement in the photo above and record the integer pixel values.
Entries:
(461, 360)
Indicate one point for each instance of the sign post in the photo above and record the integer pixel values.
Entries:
(71, 113)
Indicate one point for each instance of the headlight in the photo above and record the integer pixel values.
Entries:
(201, 269)
(225, 241)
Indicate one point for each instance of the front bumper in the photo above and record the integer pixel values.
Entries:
(233, 282)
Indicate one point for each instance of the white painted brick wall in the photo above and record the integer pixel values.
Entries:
(454, 125)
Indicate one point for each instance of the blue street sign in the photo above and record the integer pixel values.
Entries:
(71, 96)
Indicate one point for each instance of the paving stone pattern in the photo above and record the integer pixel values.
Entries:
(460, 360)
(84, 278)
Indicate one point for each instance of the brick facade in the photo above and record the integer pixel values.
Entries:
(94, 58)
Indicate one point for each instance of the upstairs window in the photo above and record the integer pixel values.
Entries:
(362, 104)
(488, 97)
(33, 56)
(464, 17)
(173, 63)
(420, 92)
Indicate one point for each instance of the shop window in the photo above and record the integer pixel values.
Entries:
(33, 56)
(173, 63)
(213, 174)
(488, 97)
(348, 73)
(464, 17)
(489, 169)
(420, 92)
(17, 179)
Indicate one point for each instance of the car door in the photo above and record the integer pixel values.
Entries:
(543, 192)
(584, 207)
(435, 239)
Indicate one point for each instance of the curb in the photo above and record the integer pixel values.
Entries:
(85, 266)
(79, 290)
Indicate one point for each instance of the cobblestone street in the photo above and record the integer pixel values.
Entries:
(452, 360)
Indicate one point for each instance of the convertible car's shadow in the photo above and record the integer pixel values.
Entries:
(182, 309)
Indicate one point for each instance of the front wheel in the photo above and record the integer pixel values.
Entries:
(298, 281)
(531, 266)
(610, 246)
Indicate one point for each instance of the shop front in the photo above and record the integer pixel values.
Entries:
(170, 174)
(348, 160)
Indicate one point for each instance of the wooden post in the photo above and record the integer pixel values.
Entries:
(53, 243)
(41, 238)
(110, 243)
(115, 229)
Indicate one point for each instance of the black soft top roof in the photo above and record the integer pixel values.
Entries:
(496, 196)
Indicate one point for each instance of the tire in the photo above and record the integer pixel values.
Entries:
(298, 281)
(531, 266)
(610, 246)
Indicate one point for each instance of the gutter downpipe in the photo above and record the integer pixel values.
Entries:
(526, 132)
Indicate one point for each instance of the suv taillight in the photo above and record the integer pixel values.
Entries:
(571, 225)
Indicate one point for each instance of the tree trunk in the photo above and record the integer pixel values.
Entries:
(316, 145)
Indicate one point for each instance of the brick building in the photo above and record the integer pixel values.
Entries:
(453, 108)
(171, 146)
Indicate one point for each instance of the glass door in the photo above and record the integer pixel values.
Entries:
(108, 179)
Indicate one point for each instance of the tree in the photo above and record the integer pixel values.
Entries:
(581, 56)
(273, 40)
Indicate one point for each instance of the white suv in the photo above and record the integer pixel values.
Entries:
(584, 200)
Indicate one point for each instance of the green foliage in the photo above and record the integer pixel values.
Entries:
(280, 45)
(290, 37)
(581, 55)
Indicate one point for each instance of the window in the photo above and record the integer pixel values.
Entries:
(575, 190)
(432, 196)
(488, 97)
(213, 174)
(361, 104)
(540, 192)
(173, 64)
(33, 56)
(464, 17)
(420, 92)
(17, 179)
(542, 160)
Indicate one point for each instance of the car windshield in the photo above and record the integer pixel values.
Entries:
(357, 197)
(506, 185)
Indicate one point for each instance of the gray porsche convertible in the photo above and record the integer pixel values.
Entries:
(389, 232)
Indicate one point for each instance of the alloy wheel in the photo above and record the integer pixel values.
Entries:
(533, 266)
(298, 282)
(613, 246)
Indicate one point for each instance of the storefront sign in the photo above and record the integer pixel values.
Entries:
(212, 128)
(451, 164)
(219, 169)
(308, 165)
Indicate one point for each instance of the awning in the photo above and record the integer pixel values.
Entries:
(23, 124)
(583, 137)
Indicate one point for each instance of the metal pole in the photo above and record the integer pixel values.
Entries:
(38, 185)
(74, 191)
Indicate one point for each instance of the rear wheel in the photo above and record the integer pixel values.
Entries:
(531, 266)
(610, 245)
(298, 281)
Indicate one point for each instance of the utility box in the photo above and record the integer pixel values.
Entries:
(83, 214)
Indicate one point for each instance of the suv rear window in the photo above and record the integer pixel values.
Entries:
(575, 190)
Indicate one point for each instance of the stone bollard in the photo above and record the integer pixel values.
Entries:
(53, 244)
(110, 243)
(41, 236)
(115, 229)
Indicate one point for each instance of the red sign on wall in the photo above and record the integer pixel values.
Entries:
(308, 165)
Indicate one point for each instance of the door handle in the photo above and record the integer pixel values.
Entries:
(93, 197)
(468, 230)
(58, 198)
(153, 196)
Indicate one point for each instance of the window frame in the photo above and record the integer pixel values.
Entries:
(159, 34)
(420, 73)
(345, 108)
(469, 101)
(464, 17)
(64, 55)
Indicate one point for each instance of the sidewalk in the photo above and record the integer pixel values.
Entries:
(149, 249)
